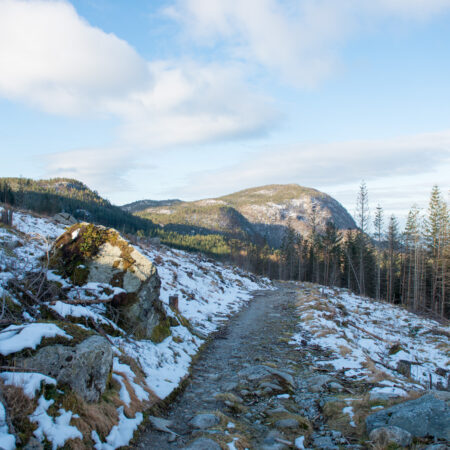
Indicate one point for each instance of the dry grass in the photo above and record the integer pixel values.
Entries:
(19, 407)
(376, 374)
(344, 350)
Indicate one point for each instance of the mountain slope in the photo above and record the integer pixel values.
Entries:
(71, 196)
(261, 212)
(140, 205)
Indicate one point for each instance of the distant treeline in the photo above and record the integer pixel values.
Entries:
(409, 267)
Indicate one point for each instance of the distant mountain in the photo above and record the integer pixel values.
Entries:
(140, 205)
(71, 196)
(258, 213)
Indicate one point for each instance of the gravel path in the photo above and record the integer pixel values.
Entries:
(247, 387)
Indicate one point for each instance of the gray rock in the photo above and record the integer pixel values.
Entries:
(318, 382)
(384, 436)
(284, 377)
(287, 423)
(116, 262)
(270, 441)
(428, 415)
(65, 219)
(33, 444)
(437, 447)
(84, 367)
(204, 444)
(254, 373)
(231, 386)
(203, 421)
(325, 443)
(336, 387)
(271, 386)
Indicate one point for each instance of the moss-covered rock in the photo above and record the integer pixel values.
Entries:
(90, 253)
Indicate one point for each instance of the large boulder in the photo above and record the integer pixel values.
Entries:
(90, 253)
(84, 367)
(428, 415)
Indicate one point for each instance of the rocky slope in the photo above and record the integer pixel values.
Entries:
(258, 213)
(89, 339)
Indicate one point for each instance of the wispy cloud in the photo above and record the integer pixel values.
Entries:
(296, 40)
(330, 165)
(56, 61)
(103, 169)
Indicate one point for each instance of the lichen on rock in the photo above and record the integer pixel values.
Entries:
(91, 253)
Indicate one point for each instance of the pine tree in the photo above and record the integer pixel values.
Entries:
(378, 225)
(362, 220)
(392, 238)
(436, 235)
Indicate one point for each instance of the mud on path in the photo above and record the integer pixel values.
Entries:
(248, 388)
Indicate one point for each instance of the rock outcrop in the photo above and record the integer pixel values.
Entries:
(428, 415)
(84, 367)
(89, 253)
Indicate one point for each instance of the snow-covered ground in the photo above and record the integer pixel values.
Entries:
(374, 341)
(208, 293)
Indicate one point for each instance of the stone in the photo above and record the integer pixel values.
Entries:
(287, 423)
(33, 444)
(336, 387)
(325, 443)
(428, 415)
(65, 219)
(254, 373)
(203, 421)
(284, 377)
(92, 253)
(318, 383)
(204, 444)
(384, 436)
(271, 441)
(437, 447)
(160, 424)
(84, 367)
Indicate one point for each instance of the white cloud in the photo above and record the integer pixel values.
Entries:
(192, 103)
(295, 39)
(53, 59)
(104, 169)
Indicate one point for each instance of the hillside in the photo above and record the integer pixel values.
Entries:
(258, 213)
(140, 205)
(49, 319)
(71, 196)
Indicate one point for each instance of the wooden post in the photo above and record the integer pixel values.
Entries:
(173, 302)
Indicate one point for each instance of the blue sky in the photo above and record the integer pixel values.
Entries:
(199, 98)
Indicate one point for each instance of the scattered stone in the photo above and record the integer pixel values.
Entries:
(318, 383)
(65, 219)
(204, 444)
(336, 387)
(385, 436)
(230, 386)
(325, 443)
(203, 421)
(428, 415)
(287, 423)
(84, 367)
(161, 424)
(33, 444)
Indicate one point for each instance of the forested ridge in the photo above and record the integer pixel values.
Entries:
(71, 196)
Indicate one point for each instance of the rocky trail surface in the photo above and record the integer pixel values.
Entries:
(250, 388)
